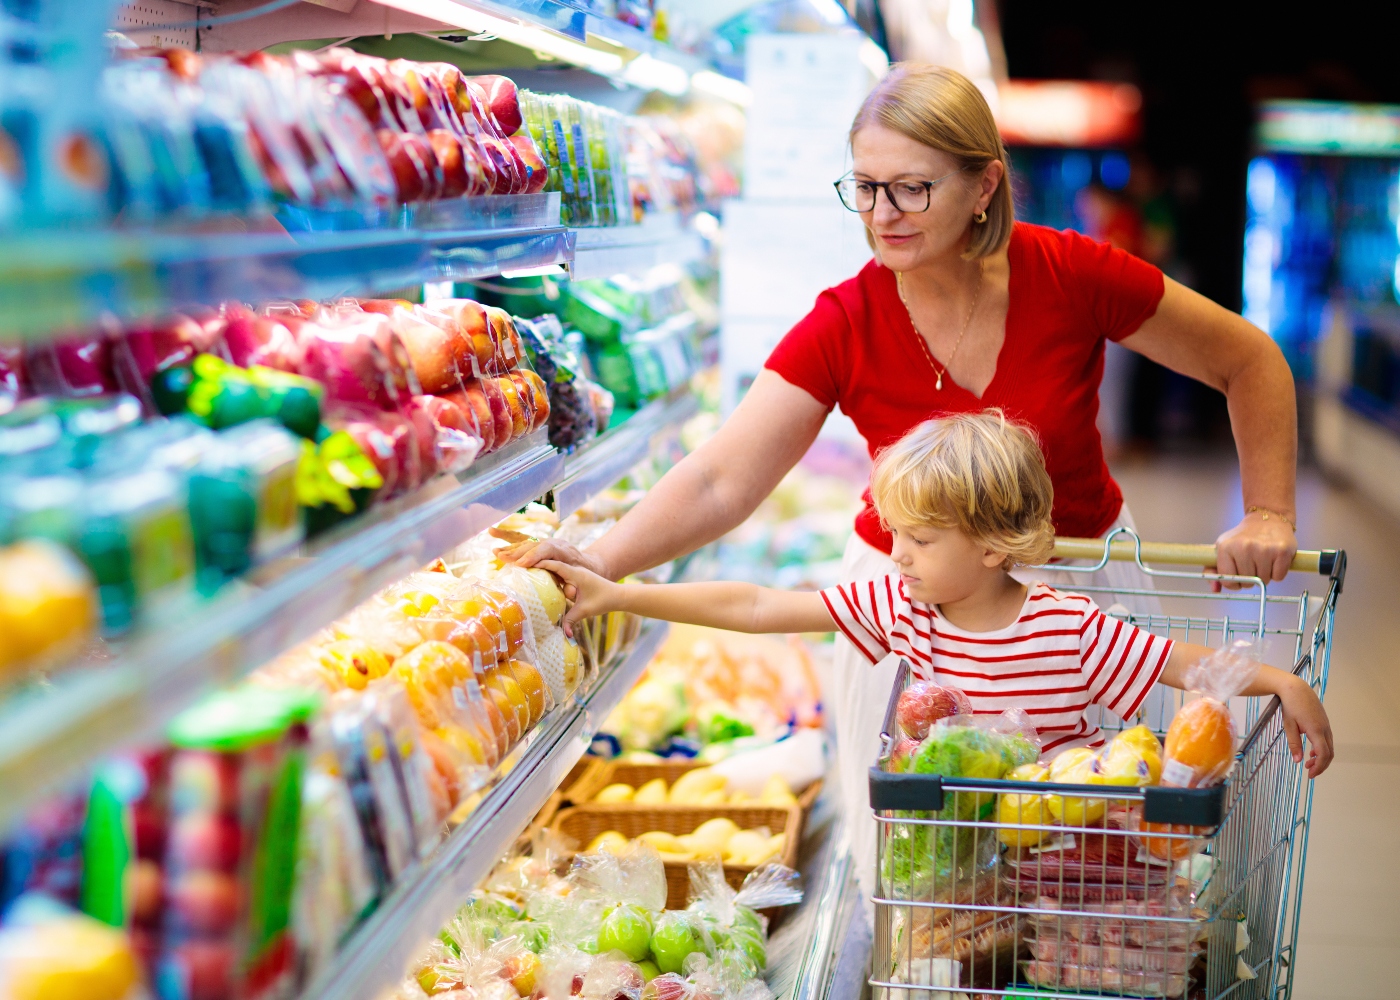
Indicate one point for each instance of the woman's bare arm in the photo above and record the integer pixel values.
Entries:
(1192, 335)
(710, 491)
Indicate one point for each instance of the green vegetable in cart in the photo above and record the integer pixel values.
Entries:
(961, 752)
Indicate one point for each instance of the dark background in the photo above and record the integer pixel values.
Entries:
(1201, 67)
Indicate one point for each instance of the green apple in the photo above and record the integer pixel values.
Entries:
(626, 929)
(672, 942)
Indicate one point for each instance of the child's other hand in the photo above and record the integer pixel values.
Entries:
(1303, 713)
(591, 594)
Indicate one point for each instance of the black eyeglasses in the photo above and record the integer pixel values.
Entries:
(906, 196)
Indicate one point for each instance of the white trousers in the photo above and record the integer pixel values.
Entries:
(862, 690)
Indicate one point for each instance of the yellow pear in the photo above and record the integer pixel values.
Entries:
(653, 793)
(614, 794)
(609, 840)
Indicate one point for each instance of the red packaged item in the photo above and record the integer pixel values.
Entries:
(356, 357)
(388, 439)
(474, 325)
(509, 350)
(141, 352)
(295, 104)
(472, 402)
(71, 367)
(923, 703)
(456, 435)
(1114, 981)
(504, 101)
(1112, 956)
(533, 388)
(253, 339)
(529, 154)
(412, 169)
(12, 381)
(234, 800)
(441, 358)
(519, 407)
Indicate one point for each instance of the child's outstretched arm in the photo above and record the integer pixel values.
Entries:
(739, 607)
(1302, 710)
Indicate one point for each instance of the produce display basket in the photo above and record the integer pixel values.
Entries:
(1204, 902)
(581, 783)
(583, 823)
(638, 773)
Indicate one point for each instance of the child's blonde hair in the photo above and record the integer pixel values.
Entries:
(977, 472)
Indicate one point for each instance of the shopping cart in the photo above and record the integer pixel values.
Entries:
(1205, 902)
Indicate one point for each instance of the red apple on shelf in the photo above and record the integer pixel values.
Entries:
(456, 181)
(472, 401)
(529, 154)
(410, 173)
(504, 100)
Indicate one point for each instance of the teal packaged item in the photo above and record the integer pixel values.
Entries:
(243, 501)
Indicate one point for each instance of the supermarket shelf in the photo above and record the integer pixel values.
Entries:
(53, 730)
(376, 956)
(602, 462)
(660, 239)
(567, 19)
(56, 281)
(806, 950)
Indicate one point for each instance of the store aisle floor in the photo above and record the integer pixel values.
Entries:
(1348, 946)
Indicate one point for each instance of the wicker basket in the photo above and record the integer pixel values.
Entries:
(583, 823)
(582, 783)
(638, 774)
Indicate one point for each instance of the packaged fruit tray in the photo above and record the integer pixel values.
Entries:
(585, 823)
(639, 773)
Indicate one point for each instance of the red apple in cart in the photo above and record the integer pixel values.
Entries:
(923, 703)
(504, 100)
(456, 181)
(901, 753)
(529, 154)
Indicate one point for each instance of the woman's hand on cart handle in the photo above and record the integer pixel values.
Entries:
(531, 554)
(1262, 545)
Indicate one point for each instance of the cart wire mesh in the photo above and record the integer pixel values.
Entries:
(995, 888)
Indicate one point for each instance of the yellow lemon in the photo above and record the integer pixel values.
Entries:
(1074, 810)
(614, 793)
(653, 793)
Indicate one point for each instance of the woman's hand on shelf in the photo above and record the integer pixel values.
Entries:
(531, 554)
(592, 595)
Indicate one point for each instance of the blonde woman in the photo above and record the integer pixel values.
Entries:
(964, 308)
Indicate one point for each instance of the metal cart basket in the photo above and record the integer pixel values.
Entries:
(1117, 891)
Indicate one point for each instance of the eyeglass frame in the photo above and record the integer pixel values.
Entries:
(885, 185)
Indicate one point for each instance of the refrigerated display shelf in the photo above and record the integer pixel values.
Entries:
(605, 460)
(376, 956)
(55, 283)
(53, 729)
(659, 239)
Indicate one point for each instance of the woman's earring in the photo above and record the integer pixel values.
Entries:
(980, 218)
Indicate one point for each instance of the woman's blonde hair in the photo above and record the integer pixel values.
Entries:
(977, 472)
(943, 109)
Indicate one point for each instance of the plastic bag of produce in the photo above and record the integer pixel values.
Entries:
(732, 919)
(923, 703)
(1200, 744)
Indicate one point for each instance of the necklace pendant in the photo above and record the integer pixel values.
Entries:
(938, 384)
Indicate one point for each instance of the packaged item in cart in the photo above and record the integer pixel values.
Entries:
(1168, 920)
(1067, 951)
(234, 806)
(1138, 983)
(969, 942)
(923, 703)
(1200, 744)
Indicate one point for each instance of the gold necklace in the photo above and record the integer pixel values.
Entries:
(899, 283)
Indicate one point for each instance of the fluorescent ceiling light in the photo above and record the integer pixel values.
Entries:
(525, 35)
(651, 73)
(719, 85)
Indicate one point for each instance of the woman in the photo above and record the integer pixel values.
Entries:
(963, 308)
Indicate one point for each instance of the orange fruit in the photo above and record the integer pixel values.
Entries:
(514, 727)
(1170, 848)
(500, 680)
(512, 615)
(531, 681)
(496, 719)
(1201, 737)
(464, 742)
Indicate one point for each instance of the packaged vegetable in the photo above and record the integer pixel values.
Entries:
(1200, 744)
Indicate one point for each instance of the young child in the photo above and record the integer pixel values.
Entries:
(967, 499)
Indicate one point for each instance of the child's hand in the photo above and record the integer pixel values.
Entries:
(591, 594)
(1303, 712)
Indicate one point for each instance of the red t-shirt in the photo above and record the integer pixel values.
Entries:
(1068, 293)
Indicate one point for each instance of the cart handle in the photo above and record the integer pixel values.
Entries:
(1325, 561)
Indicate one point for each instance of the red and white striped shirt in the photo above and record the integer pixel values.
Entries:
(1061, 655)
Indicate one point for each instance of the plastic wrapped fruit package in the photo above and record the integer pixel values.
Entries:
(1051, 949)
(923, 703)
(442, 689)
(1200, 744)
(71, 367)
(441, 358)
(1138, 983)
(344, 350)
(451, 433)
(388, 440)
(508, 350)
